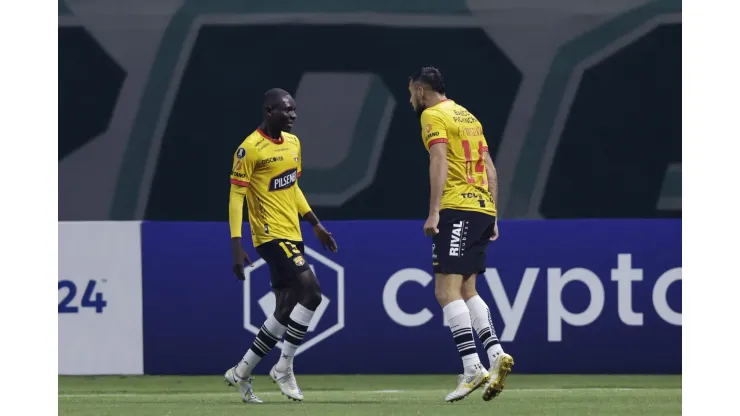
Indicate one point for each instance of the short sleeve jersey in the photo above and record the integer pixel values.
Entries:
(466, 187)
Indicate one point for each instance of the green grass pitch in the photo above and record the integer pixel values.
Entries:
(572, 395)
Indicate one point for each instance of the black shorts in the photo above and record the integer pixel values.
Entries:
(286, 260)
(460, 246)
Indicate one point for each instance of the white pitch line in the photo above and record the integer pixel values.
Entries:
(270, 393)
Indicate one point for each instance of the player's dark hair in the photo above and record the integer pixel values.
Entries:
(430, 76)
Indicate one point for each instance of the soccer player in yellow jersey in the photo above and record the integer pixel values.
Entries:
(462, 221)
(265, 171)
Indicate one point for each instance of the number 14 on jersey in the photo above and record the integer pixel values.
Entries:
(479, 164)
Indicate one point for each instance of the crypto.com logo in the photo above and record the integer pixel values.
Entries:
(267, 301)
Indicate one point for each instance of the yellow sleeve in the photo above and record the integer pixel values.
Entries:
(236, 209)
(300, 202)
(245, 159)
(433, 129)
(300, 160)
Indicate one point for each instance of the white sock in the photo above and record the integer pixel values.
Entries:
(481, 317)
(269, 335)
(300, 318)
(458, 317)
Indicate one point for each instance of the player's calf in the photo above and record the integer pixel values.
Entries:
(309, 290)
(458, 318)
(285, 301)
(500, 363)
(480, 316)
(474, 375)
(283, 372)
(269, 335)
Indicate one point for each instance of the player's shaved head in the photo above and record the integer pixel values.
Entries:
(275, 96)
(430, 76)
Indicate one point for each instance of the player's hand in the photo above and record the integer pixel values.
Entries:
(327, 241)
(430, 227)
(494, 237)
(240, 258)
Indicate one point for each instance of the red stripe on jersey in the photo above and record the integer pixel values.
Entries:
(299, 174)
(485, 148)
(435, 141)
(276, 141)
(238, 182)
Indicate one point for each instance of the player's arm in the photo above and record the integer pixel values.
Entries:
(492, 177)
(437, 175)
(434, 134)
(244, 162)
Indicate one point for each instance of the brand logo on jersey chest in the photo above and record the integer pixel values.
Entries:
(270, 160)
(284, 180)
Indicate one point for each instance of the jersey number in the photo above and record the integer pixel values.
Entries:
(479, 166)
(293, 250)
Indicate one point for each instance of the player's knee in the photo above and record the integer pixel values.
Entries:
(444, 295)
(285, 301)
(310, 290)
(468, 292)
(282, 315)
(312, 298)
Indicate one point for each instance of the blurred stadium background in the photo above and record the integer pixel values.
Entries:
(581, 105)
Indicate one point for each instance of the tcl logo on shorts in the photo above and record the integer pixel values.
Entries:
(284, 180)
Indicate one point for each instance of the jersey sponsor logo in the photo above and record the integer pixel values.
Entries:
(238, 174)
(282, 149)
(270, 160)
(284, 180)
(469, 119)
(556, 278)
(299, 261)
(485, 197)
(456, 239)
(240, 153)
(433, 134)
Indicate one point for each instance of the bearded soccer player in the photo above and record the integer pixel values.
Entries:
(462, 221)
(265, 171)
